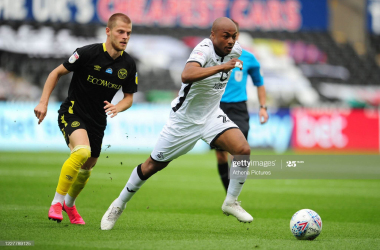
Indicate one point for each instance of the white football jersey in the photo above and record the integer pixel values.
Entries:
(197, 100)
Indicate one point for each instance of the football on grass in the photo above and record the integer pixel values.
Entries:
(306, 224)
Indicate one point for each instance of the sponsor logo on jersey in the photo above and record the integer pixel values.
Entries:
(97, 67)
(220, 85)
(122, 74)
(102, 82)
(75, 124)
(74, 57)
(224, 76)
(109, 71)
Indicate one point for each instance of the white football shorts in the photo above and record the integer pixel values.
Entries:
(179, 136)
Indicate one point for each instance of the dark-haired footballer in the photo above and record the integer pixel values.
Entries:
(195, 116)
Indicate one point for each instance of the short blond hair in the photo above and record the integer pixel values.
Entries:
(118, 16)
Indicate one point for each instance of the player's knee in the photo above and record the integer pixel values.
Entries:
(243, 150)
(81, 153)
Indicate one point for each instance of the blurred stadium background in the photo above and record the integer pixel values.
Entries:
(320, 61)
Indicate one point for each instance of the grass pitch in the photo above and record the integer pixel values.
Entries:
(179, 208)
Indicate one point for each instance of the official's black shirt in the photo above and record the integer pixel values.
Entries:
(96, 78)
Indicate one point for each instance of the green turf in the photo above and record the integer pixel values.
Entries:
(179, 208)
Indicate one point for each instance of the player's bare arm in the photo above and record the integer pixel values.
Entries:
(263, 114)
(41, 109)
(121, 106)
(194, 72)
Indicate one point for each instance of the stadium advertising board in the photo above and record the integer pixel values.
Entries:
(340, 129)
(276, 133)
(289, 15)
(136, 130)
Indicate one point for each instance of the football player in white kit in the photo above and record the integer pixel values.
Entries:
(196, 115)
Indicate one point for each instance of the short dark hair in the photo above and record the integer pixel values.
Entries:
(118, 16)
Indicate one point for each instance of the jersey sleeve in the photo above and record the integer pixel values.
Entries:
(77, 59)
(130, 86)
(255, 72)
(200, 53)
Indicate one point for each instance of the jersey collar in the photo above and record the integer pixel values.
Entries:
(105, 49)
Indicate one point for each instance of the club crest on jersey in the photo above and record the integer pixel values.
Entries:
(74, 57)
(122, 74)
(109, 71)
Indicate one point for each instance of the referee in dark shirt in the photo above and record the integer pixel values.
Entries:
(100, 70)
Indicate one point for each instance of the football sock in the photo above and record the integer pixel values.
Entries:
(58, 198)
(234, 190)
(136, 180)
(77, 186)
(70, 169)
(236, 182)
(223, 173)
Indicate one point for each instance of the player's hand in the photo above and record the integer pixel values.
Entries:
(110, 109)
(40, 111)
(263, 115)
(231, 64)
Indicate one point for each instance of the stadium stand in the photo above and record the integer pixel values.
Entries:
(316, 54)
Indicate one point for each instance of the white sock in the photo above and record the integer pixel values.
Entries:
(58, 198)
(234, 189)
(69, 201)
(133, 185)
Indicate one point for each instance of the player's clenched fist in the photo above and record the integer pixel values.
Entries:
(232, 64)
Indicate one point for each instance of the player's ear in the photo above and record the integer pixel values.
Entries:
(108, 31)
(212, 35)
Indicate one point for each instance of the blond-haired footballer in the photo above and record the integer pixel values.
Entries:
(99, 71)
